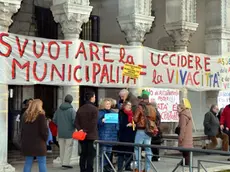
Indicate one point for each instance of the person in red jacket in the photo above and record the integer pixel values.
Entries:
(225, 119)
(53, 129)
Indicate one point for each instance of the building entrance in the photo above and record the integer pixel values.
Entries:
(48, 94)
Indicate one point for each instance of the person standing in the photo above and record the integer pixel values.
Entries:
(86, 120)
(185, 138)
(212, 129)
(145, 111)
(107, 131)
(125, 95)
(127, 133)
(157, 140)
(64, 119)
(225, 120)
(26, 104)
(53, 129)
(34, 136)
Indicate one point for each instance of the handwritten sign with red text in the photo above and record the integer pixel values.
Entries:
(167, 101)
(32, 60)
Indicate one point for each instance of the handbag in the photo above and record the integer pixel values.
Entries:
(177, 129)
(79, 135)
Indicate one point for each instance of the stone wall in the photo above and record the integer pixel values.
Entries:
(110, 33)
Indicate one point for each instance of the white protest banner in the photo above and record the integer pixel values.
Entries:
(167, 101)
(193, 71)
(32, 60)
(223, 99)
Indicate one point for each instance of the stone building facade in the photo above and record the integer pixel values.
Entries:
(173, 25)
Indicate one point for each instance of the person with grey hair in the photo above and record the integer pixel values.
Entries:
(64, 118)
(212, 129)
(125, 95)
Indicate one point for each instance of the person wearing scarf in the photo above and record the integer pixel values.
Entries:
(127, 133)
(213, 131)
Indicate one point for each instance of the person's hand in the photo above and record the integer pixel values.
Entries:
(81, 130)
(227, 128)
(103, 120)
(221, 127)
(129, 125)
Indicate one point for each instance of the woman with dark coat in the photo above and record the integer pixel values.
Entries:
(126, 134)
(34, 136)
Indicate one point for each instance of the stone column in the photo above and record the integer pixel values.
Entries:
(71, 15)
(181, 24)
(135, 21)
(217, 35)
(7, 10)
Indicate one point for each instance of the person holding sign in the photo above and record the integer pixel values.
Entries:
(125, 95)
(127, 133)
(107, 128)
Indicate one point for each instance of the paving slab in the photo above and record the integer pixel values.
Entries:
(164, 165)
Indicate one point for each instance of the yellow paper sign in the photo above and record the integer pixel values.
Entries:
(187, 103)
(132, 71)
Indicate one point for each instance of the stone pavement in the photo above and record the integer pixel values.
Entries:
(164, 165)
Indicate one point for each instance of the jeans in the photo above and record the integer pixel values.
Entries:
(41, 163)
(108, 151)
(142, 138)
(87, 155)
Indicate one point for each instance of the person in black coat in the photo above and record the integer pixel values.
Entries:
(126, 134)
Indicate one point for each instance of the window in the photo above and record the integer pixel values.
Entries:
(91, 30)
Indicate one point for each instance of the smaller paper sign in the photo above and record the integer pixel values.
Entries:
(132, 71)
(187, 103)
(111, 118)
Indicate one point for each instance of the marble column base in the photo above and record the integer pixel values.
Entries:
(6, 168)
(73, 162)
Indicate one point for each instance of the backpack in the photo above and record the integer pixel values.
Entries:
(151, 128)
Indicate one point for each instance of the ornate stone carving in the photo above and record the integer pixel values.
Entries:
(181, 38)
(135, 27)
(217, 33)
(71, 15)
(7, 9)
(181, 33)
(135, 19)
(181, 26)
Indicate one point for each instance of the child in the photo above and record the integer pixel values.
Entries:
(50, 139)
(53, 129)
